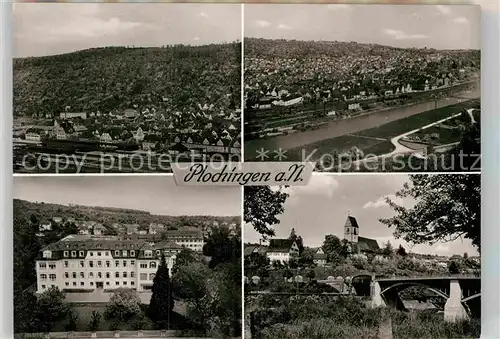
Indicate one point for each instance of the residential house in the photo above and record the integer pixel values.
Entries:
(72, 115)
(98, 229)
(45, 225)
(282, 250)
(319, 257)
(132, 228)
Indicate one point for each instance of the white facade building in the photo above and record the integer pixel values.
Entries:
(282, 250)
(33, 136)
(90, 262)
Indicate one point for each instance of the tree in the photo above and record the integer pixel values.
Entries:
(388, 250)
(95, 319)
(332, 245)
(454, 267)
(222, 247)
(72, 319)
(263, 273)
(25, 311)
(401, 251)
(162, 302)
(256, 260)
(307, 256)
(293, 263)
(228, 305)
(287, 274)
(191, 283)
(447, 208)
(183, 258)
(123, 306)
(466, 255)
(311, 274)
(346, 248)
(261, 207)
(51, 308)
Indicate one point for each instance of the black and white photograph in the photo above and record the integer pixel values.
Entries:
(122, 87)
(364, 256)
(125, 257)
(363, 88)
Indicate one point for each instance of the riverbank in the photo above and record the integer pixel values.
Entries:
(357, 125)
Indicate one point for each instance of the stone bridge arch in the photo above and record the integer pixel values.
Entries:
(391, 297)
(472, 305)
(361, 284)
(407, 284)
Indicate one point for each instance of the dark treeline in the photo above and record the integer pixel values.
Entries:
(116, 78)
(109, 216)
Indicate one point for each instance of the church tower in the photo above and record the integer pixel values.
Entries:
(351, 229)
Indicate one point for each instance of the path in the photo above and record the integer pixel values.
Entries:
(366, 137)
(401, 149)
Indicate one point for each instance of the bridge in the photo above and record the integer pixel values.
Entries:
(461, 295)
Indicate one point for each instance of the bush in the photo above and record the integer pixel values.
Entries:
(347, 317)
(360, 263)
(95, 320)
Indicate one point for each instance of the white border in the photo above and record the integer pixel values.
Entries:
(490, 161)
(490, 90)
(6, 231)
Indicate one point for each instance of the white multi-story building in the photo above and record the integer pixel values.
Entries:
(84, 262)
(71, 115)
(188, 237)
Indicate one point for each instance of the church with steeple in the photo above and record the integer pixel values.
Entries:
(358, 244)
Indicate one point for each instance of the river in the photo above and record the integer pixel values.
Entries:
(337, 128)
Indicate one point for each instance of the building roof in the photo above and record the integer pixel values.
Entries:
(367, 244)
(351, 222)
(280, 245)
(319, 256)
(249, 249)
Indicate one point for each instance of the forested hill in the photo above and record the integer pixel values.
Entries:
(267, 48)
(114, 78)
(108, 215)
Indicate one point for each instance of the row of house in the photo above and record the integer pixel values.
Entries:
(284, 250)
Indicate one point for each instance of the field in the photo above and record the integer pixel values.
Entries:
(401, 126)
(377, 140)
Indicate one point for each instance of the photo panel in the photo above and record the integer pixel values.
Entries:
(125, 88)
(136, 255)
(363, 88)
(364, 256)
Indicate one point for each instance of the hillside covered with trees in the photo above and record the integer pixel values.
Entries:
(108, 215)
(115, 78)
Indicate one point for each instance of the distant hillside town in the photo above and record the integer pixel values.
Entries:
(362, 254)
(341, 79)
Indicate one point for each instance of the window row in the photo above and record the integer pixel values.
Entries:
(144, 276)
(99, 263)
(82, 284)
(118, 253)
(74, 275)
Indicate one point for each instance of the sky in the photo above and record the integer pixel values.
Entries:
(154, 194)
(433, 26)
(322, 207)
(56, 28)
